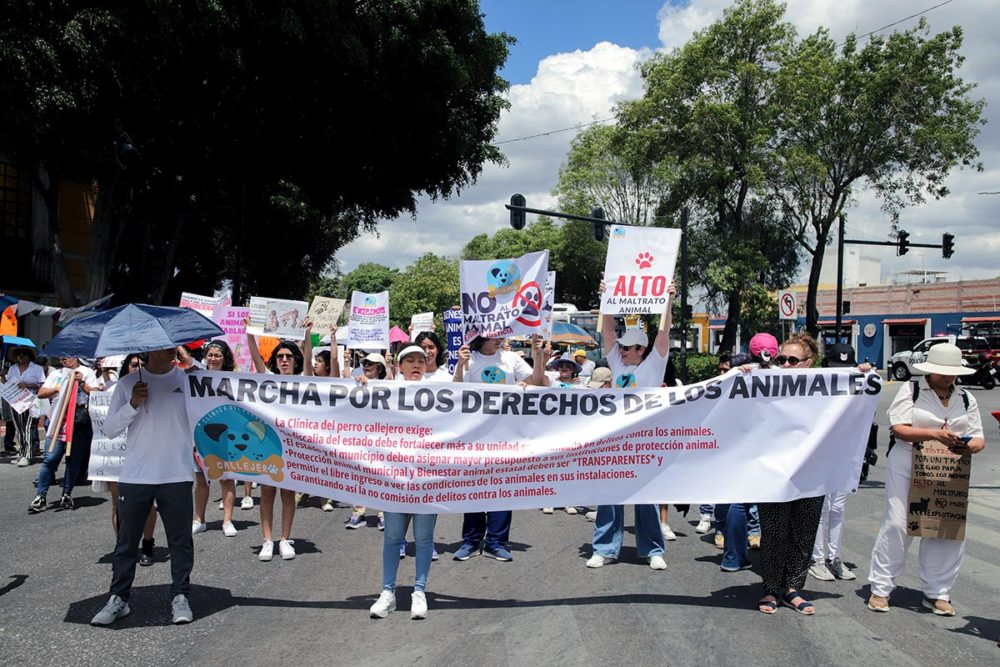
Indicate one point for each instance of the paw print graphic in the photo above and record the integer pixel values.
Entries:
(644, 260)
(914, 525)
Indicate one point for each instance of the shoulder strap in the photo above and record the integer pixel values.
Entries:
(965, 398)
(916, 390)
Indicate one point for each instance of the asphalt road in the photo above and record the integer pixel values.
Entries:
(545, 607)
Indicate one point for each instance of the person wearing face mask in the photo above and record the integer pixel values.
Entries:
(633, 363)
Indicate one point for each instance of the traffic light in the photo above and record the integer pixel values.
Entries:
(598, 226)
(688, 311)
(947, 245)
(845, 306)
(903, 239)
(517, 217)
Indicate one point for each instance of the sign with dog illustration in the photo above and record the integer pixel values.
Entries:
(939, 492)
(504, 297)
(639, 269)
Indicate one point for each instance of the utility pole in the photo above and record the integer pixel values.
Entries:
(684, 294)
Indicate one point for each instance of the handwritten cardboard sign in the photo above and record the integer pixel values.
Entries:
(939, 492)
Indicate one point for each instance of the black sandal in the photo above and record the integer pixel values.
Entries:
(801, 607)
(766, 606)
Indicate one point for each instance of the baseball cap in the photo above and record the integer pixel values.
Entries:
(633, 337)
(408, 350)
(601, 376)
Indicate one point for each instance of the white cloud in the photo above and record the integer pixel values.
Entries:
(569, 89)
(583, 86)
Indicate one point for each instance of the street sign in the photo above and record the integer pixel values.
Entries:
(788, 306)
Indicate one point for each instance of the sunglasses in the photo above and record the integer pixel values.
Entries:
(628, 348)
(134, 364)
(781, 360)
(284, 356)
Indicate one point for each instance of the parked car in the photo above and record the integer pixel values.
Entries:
(901, 364)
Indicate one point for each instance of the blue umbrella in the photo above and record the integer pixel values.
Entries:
(132, 328)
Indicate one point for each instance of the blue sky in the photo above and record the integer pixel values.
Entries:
(545, 27)
(576, 59)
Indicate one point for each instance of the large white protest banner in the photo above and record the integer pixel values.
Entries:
(444, 447)
(369, 321)
(280, 318)
(503, 297)
(107, 455)
(233, 322)
(639, 269)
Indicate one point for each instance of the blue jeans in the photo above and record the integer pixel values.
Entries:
(731, 521)
(423, 536)
(82, 434)
(493, 527)
(609, 528)
(706, 509)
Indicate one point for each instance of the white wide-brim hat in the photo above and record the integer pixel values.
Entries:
(944, 359)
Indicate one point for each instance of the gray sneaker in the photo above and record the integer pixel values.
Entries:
(115, 608)
(839, 570)
(819, 571)
(181, 609)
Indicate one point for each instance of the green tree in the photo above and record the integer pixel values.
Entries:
(892, 114)
(242, 140)
(428, 285)
(708, 108)
(369, 277)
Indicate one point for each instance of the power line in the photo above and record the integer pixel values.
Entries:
(545, 134)
(605, 120)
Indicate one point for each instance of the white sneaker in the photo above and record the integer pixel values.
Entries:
(570, 510)
(246, 503)
(668, 534)
(548, 510)
(198, 527)
(328, 506)
(819, 570)
(386, 603)
(591, 516)
(704, 524)
(266, 551)
(597, 560)
(657, 563)
(286, 549)
(228, 529)
(418, 605)
(23, 462)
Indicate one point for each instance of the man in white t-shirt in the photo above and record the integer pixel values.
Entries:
(586, 365)
(83, 432)
(632, 367)
(150, 406)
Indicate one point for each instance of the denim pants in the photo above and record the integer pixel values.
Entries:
(423, 536)
(731, 521)
(609, 528)
(491, 529)
(82, 435)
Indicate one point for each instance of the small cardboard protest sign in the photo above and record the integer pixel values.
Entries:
(19, 400)
(325, 312)
(107, 455)
(639, 269)
(421, 322)
(279, 318)
(939, 492)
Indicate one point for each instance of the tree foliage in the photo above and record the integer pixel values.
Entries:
(245, 140)
(430, 284)
(369, 277)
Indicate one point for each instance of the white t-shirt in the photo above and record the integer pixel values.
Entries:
(33, 374)
(928, 412)
(159, 441)
(588, 368)
(440, 375)
(649, 373)
(499, 368)
(57, 379)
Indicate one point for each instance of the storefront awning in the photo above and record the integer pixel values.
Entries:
(922, 320)
(970, 320)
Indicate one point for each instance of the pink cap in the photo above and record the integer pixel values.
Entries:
(764, 342)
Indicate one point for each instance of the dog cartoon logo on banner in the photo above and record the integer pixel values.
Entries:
(232, 439)
(503, 277)
(369, 301)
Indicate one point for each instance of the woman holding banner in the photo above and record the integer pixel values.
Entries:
(412, 361)
(286, 359)
(217, 356)
(633, 363)
(929, 408)
(54, 385)
(484, 361)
